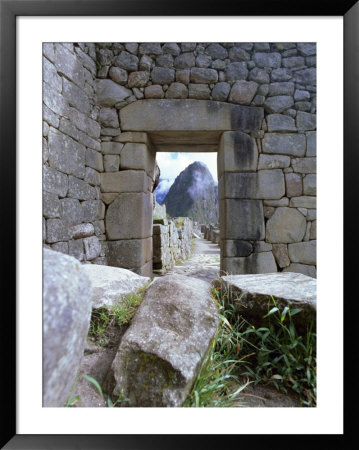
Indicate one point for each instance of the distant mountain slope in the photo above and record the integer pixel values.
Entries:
(193, 194)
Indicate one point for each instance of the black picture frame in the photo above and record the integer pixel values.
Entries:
(9, 10)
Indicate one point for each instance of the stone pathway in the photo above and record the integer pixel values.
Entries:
(204, 263)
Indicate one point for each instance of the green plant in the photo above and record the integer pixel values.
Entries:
(103, 319)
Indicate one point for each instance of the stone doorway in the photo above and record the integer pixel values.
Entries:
(151, 126)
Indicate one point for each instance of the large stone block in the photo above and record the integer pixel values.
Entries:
(108, 93)
(285, 144)
(54, 181)
(304, 165)
(125, 181)
(76, 96)
(304, 269)
(81, 190)
(293, 183)
(237, 153)
(66, 319)
(267, 60)
(303, 252)
(311, 143)
(255, 263)
(111, 148)
(138, 157)
(280, 122)
(273, 161)
(285, 226)
(94, 159)
(92, 247)
(129, 254)
(129, 216)
(188, 114)
(303, 202)
(50, 75)
(92, 210)
(71, 211)
(199, 75)
(56, 231)
(236, 248)
(51, 206)
(161, 353)
(310, 184)
(67, 63)
(65, 154)
(243, 92)
(242, 219)
(280, 252)
(278, 104)
(265, 184)
(55, 102)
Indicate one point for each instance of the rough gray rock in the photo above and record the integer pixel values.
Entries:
(162, 351)
(252, 294)
(111, 284)
(66, 318)
(109, 93)
(287, 225)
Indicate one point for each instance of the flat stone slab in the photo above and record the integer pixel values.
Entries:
(111, 284)
(162, 351)
(252, 294)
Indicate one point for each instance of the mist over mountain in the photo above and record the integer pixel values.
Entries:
(193, 194)
(162, 189)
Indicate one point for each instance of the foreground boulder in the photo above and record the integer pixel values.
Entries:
(252, 294)
(162, 351)
(111, 284)
(66, 318)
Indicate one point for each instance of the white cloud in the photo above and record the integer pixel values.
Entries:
(171, 168)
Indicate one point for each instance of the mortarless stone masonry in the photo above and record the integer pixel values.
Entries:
(268, 146)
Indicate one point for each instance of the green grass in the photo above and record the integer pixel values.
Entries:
(273, 354)
(104, 319)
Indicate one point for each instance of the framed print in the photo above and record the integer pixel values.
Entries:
(134, 100)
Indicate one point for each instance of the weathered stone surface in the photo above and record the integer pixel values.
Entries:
(110, 285)
(265, 184)
(259, 75)
(311, 143)
(237, 153)
(278, 104)
(92, 210)
(71, 211)
(185, 61)
(82, 230)
(108, 93)
(129, 216)
(242, 219)
(199, 91)
(154, 91)
(51, 206)
(199, 75)
(281, 88)
(50, 75)
(92, 247)
(125, 181)
(251, 295)
(138, 79)
(285, 226)
(61, 247)
(80, 189)
(310, 184)
(203, 61)
(162, 75)
(282, 202)
(133, 136)
(303, 252)
(293, 185)
(66, 319)
(281, 74)
(108, 117)
(118, 75)
(138, 157)
(172, 48)
(162, 351)
(236, 71)
(262, 246)
(165, 60)
(273, 161)
(305, 269)
(111, 148)
(220, 91)
(304, 202)
(66, 63)
(174, 115)
(54, 181)
(262, 262)
(285, 144)
(216, 51)
(236, 248)
(150, 48)
(304, 165)
(55, 102)
(280, 252)
(306, 76)
(130, 254)
(92, 176)
(65, 154)
(306, 121)
(56, 231)
(111, 163)
(267, 60)
(301, 96)
(294, 62)
(177, 90)
(76, 96)
(243, 92)
(127, 61)
(279, 122)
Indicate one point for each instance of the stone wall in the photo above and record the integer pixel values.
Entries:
(73, 212)
(267, 173)
(172, 240)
